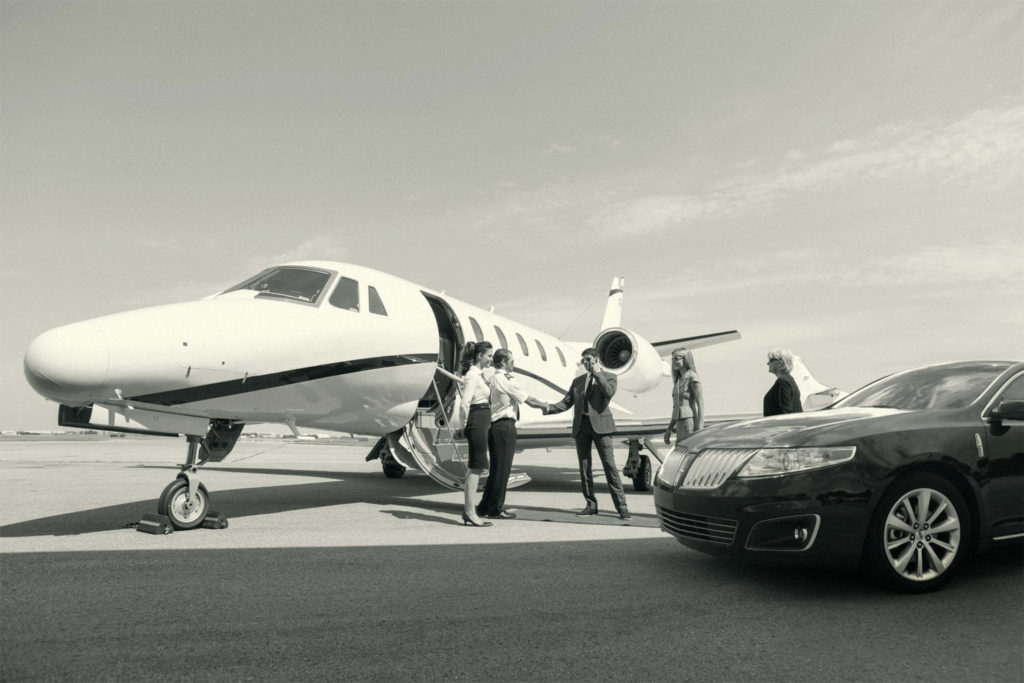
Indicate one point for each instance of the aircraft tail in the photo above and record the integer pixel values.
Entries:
(613, 310)
(815, 394)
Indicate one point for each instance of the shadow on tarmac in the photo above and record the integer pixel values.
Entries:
(367, 487)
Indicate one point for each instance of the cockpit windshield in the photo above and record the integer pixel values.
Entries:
(287, 282)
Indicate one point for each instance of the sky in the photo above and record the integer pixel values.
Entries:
(840, 178)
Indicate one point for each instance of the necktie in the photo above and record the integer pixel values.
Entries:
(586, 395)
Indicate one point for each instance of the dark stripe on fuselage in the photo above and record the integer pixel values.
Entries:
(280, 379)
(543, 381)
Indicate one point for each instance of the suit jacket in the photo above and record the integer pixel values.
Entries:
(600, 397)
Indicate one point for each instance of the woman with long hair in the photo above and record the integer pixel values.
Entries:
(687, 397)
(475, 418)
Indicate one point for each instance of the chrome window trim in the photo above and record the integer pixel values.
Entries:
(998, 394)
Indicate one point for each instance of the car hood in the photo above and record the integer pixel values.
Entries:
(785, 430)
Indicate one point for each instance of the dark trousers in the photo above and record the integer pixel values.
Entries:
(585, 438)
(501, 442)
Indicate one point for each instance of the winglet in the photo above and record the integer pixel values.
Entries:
(613, 311)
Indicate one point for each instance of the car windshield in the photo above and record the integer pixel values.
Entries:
(928, 388)
(288, 282)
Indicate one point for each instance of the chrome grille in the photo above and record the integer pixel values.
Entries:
(713, 466)
(713, 529)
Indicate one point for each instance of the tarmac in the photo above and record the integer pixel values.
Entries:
(329, 571)
(75, 496)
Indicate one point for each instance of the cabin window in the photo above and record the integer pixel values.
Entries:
(299, 284)
(346, 294)
(477, 332)
(501, 337)
(522, 344)
(376, 305)
(543, 353)
(560, 356)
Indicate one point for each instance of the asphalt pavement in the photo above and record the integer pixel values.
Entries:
(329, 571)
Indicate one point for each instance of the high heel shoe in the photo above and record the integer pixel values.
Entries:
(467, 521)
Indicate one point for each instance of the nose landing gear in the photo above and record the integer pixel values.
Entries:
(185, 500)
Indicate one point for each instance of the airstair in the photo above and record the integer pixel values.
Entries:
(428, 442)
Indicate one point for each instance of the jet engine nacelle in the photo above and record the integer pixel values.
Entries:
(629, 357)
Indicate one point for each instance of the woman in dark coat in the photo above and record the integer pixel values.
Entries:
(784, 396)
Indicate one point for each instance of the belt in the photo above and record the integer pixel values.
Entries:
(476, 406)
(502, 419)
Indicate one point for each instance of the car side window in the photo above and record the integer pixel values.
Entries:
(346, 294)
(477, 332)
(376, 305)
(1014, 391)
(522, 344)
(501, 337)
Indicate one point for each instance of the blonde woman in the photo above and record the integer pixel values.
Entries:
(784, 396)
(687, 397)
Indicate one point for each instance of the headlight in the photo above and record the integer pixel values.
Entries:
(770, 462)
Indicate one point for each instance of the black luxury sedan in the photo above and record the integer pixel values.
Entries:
(904, 477)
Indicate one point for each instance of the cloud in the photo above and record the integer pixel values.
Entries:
(559, 148)
(985, 147)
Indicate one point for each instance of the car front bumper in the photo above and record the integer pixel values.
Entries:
(816, 517)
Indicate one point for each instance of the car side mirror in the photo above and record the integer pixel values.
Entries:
(1008, 411)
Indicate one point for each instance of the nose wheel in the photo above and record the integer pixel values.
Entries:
(185, 501)
(185, 509)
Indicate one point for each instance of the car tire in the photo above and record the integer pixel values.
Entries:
(920, 532)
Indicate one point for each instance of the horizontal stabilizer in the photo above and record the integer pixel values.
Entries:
(664, 348)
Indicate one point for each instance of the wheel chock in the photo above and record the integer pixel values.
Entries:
(214, 520)
(155, 524)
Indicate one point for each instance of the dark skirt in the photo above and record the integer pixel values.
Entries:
(477, 426)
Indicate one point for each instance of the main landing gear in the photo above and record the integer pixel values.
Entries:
(638, 467)
(185, 500)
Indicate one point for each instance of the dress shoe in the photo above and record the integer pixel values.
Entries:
(472, 522)
(504, 514)
(587, 511)
(624, 514)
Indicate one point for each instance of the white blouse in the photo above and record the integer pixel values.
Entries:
(475, 389)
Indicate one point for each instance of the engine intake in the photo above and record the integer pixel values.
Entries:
(629, 357)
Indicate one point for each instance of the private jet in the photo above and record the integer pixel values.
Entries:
(324, 345)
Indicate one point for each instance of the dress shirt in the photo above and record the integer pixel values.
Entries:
(475, 389)
(506, 395)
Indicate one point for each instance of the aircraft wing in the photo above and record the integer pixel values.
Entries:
(664, 348)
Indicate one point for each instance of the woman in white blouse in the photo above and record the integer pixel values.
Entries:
(475, 417)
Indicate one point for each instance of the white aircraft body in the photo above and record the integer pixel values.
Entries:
(325, 345)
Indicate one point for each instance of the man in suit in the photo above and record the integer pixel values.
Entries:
(590, 397)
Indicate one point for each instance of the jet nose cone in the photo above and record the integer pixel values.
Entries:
(68, 363)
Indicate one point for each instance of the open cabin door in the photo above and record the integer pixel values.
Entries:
(428, 442)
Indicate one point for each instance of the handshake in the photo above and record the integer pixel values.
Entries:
(545, 408)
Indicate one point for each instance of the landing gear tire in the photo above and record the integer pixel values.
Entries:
(392, 468)
(642, 480)
(919, 534)
(184, 513)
